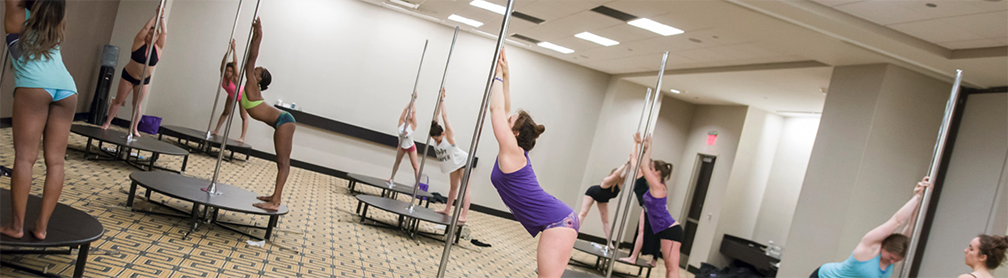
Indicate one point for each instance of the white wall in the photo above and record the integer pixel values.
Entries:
(785, 181)
(363, 74)
(748, 179)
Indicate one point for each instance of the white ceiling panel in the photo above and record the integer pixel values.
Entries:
(943, 8)
(832, 3)
(882, 12)
(550, 10)
(936, 31)
(971, 44)
(989, 25)
(568, 26)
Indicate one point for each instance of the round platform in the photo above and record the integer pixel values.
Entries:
(402, 208)
(196, 135)
(578, 274)
(144, 143)
(190, 189)
(380, 183)
(67, 226)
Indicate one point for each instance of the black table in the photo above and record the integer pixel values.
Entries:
(68, 227)
(602, 258)
(124, 148)
(390, 192)
(203, 144)
(190, 189)
(408, 221)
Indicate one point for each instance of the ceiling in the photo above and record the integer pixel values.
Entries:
(774, 55)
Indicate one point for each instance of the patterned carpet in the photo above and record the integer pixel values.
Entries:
(321, 225)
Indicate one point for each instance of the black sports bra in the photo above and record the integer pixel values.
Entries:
(140, 55)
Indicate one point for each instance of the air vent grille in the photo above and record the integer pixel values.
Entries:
(610, 12)
(524, 38)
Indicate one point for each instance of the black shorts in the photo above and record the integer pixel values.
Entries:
(815, 274)
(674, 233)
(601, 195)
(129, 78)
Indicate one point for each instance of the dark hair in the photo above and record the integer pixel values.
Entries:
(436, 129)
(265, 79)
(528, 130)
(896, 244)
(664, 168)
(43, 31)
(230, 65)
(994, 248)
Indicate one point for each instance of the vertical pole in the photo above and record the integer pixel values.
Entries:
(143, 75)
(409, 108)
(619, 205)
(939, 150)
(640, 157)
(212, 189)
(450, 232)
(221, 81)
(437, 108)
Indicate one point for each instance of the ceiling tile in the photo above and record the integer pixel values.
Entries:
(832, 3)
(936, 31)
(989, 25)
(971, 44)
(571, 25)
(550, 10)
(882, 12)
(942, 10)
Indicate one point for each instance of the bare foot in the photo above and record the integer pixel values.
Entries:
(136, 134)
(11, 232)
(104, 126)
(265, 198)
(445, 211)
(240, 140)
(629, 260)
(462, 220)
(267, 206)
(214, 133)
(39, 235)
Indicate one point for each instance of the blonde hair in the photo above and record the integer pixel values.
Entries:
(43, 31)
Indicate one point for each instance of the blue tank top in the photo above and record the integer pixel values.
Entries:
(852, 268)
(530, 204)
(46, 73)
(657, 212)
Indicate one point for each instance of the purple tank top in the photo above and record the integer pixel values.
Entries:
(657, 212)
(530, 204)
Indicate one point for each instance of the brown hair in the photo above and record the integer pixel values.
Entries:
(43, 31)
(994, 248)
(528, 131)
(896, 244)
(664, 168)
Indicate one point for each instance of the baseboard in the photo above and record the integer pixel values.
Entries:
(692, 269)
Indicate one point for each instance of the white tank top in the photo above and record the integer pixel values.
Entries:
(451, 157)
(405, 136)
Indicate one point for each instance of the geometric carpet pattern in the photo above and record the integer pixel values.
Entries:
(321, 226)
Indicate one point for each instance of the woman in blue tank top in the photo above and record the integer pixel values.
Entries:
(666, 228)
(880, 248)
(45, 98)
(517, 185)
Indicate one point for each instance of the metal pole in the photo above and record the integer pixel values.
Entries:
(213, 111)
(212, 189)
(450, 232)
(409, 108)
(640, 158)
(143, 75)
(437, 108)
(619, 204)
(939, 150)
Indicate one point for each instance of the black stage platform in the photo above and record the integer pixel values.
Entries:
(68, 227)
(190, 189)
(388, 192)
(578, 274)
(124, 148)
(602, 258)
(185, 135)
(407, 220)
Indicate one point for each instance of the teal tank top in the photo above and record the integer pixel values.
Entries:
(852, 268)
(39, 73)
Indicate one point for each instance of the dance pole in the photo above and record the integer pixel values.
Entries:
(143, 75)
(212, 189)
(221, 81)
(640, 156)
(450, 232)
(437, 108)
(619, 204)
(409, 110)
(939, 150)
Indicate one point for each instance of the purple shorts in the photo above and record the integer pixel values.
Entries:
(571, 221)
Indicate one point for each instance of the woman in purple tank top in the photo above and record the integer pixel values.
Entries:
(517, 185)
(663, 225)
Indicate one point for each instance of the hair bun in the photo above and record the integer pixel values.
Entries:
(540, 129)
(1002, 241)
(263, 87)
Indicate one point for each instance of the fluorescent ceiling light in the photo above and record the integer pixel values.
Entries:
(405, 4)
(489, 6)
(674, 91)
(556, 48)
(466, 21)
(654, 26)
(596, 39)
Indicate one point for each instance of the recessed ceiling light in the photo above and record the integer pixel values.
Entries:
(489, 6)
(674, 91)
(654, 26)
(596, 39)
(466, 21)
(405, 4)
(557, 48)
